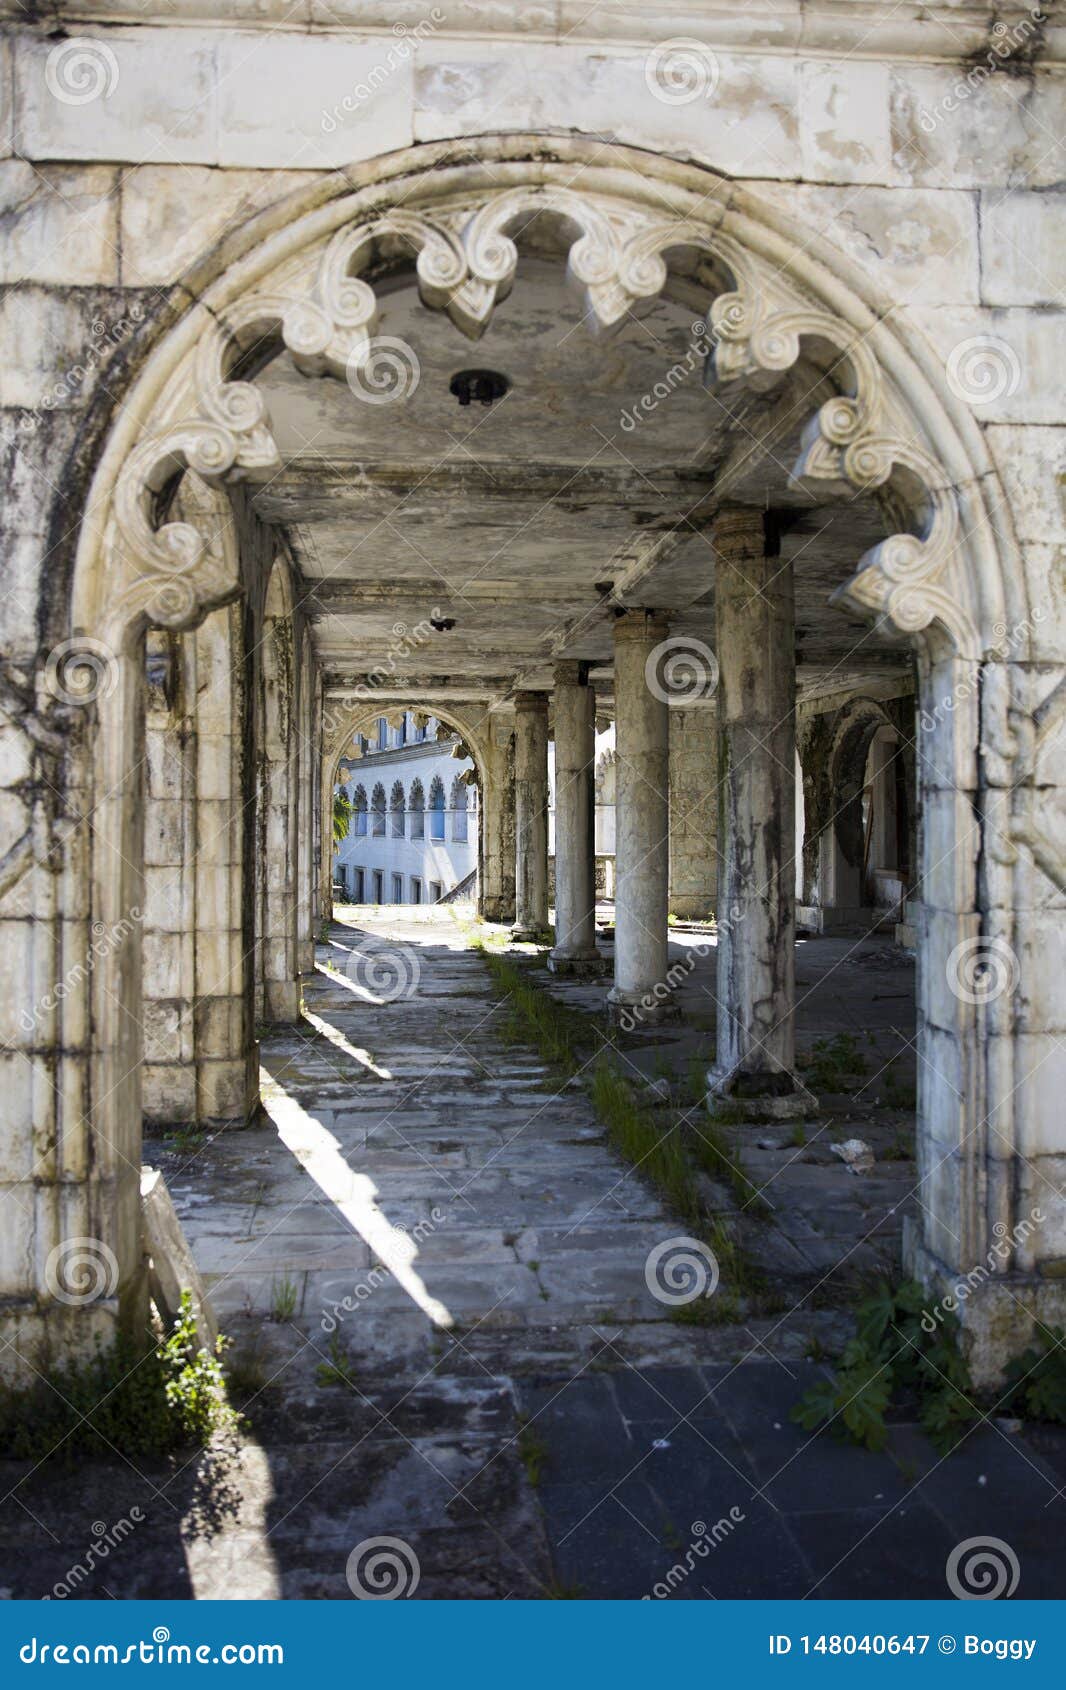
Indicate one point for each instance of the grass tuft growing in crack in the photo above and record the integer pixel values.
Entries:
(564, 1037)
(638, 1136)
(672, 1157)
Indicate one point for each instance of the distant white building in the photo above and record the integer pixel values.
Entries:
(413, 836)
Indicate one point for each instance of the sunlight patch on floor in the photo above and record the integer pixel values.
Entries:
(355, 1196)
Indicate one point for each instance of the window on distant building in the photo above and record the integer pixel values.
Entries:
(359, 813)
(383, 734)
(379, 887)
(377, 813)
(436, 808)
(435, 890)
(416, 889)
(460, 798)
(418, 810)
(358, 893)
(396, 815)
(397, 888)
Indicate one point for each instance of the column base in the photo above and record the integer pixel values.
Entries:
(282, 1002)
(996, 1312)
(776, 1095)
(497, 910)
(525, 935)
(632, 1011)
(581, 965)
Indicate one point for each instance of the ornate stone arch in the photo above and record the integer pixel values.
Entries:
(301, 290)
(948, 577)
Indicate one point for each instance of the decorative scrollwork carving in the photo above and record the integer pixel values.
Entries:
(323, 311)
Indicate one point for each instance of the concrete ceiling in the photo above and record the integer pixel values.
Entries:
(525, 521)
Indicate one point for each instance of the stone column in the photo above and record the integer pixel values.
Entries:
(496, 846)
(531, 814)
(641, 990)
(693, 811)
(575, 839)
(755, 612)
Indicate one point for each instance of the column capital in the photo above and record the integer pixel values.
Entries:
(646, 625)
(571, 672)
(739, 531)
(532, 702)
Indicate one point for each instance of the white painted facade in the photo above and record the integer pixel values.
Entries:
(414, 828)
